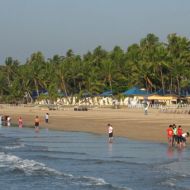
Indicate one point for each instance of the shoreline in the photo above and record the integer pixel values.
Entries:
(126, 122)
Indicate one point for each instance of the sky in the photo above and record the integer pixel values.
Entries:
(55, 26)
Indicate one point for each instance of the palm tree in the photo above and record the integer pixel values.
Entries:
(179, 54)
(10, 69)
(36, 63)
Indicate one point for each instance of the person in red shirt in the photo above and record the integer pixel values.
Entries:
(179, 135)
(170, 135)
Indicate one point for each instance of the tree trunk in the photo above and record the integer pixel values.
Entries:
(162, 81)
(36, 86)
(178, 85)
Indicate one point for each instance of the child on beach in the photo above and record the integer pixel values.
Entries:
(37, 124)
(110, 133)
(184, 138)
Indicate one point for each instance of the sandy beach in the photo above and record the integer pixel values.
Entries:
(127, 122)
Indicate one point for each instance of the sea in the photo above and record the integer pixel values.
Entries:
(59, 160)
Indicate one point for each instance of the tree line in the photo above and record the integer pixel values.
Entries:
(149, 64)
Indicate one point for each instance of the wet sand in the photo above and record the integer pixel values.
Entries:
(127, 122)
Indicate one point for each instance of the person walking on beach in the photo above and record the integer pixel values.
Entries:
(170, 135)
(20, 122)
(110, 133)
(37, 124)
(47, 117)
(146, 105)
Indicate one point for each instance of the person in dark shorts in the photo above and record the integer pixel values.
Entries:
(47, 117)
(110, 133)
(174, 135)
(37, 124)
(179, 136)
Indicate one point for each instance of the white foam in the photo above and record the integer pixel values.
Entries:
(14, 147)
(169, 182)
(93, 181)
(179, 168)
(29, 167)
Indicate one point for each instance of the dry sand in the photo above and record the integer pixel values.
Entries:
(130, 123)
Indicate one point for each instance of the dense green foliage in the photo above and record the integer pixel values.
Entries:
(151, 64)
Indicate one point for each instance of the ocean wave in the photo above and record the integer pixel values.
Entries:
(17, 165)
(28, 167)
(107, 161)
(13, 147)
(37, 148)
(94, 182)
(179, 169)
(169, 182)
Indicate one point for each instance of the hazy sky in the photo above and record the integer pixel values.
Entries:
(54, 26)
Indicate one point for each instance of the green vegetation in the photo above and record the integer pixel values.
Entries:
(151, 64)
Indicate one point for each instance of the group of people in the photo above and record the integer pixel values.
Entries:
(176, 136)
(6, 121)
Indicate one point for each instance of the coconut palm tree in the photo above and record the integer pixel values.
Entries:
(179, 54)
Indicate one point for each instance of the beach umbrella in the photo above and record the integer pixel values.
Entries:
(135, 91)
(107, 93)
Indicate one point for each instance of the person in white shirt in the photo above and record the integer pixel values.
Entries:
(184, 138)
(47, 117)
(8, 121)
(110, 133)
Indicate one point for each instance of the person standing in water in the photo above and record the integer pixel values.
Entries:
(110, 133)
(8, 121)
(170, 135)
(184, 138)
(37, 124)
(0, 120)
(179, 135)
(20, 122)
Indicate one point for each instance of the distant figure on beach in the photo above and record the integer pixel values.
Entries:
(20, 122)
(37, 124)
(179, 136)
(110, 133)
(170, 135)
(184, 138)
(174, 142)
(1, 120)
(8, 121)
(47, 117)
(146, 105)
